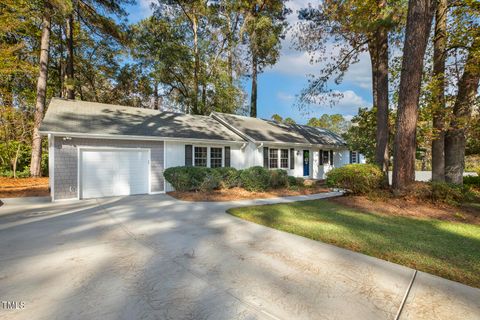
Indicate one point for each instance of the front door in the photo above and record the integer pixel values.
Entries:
(306, 163)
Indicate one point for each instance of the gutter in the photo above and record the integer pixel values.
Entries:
(131, 137)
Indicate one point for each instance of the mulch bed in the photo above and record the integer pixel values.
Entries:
(242, 194)
(23, 187)
(410, 208)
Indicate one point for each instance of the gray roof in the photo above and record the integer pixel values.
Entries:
(74, 116)
(262, 130)
(270, 131)
(320, 136)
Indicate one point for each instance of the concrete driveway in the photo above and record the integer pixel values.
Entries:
(153, 257)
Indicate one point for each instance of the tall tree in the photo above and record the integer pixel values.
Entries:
(360, 26)
(455, 139)
(419, 21)
(35, 168)
(439, 59)
(264, 26)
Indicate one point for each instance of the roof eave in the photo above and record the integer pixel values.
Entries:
(133, 137)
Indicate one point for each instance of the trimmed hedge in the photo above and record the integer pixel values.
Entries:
(355, 178)
(251, 179)
(255, 179)
(473, 181)
(278, 178)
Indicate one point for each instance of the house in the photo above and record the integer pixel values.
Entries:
(98, 150)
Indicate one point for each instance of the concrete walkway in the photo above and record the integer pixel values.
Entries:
(154, 257)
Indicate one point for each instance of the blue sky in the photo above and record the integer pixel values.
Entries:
(279, 85)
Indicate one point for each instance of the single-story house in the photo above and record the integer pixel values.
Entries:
(98, 150)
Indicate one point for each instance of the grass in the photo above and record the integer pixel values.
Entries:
(448, 249)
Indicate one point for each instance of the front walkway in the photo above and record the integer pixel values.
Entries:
(154, 257)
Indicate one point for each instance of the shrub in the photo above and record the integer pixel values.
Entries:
(356, 178)
(178, 177)
(278, 178)
(449, 193)
(472, 181)
(190, 178)
(229, 177)
(210, 181)
(294, 181)
(255, 179)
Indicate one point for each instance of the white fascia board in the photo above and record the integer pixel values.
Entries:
(140, 138)
(297, 144)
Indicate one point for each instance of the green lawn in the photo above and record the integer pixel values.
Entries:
(447, 249)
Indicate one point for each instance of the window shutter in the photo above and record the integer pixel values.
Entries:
(351, 157)
(265, 157)
(188, 155)
(292, 158)
(331, 157)
(320, 156)
(227, 157)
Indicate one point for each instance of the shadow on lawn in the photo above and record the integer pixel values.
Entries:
(448, 249)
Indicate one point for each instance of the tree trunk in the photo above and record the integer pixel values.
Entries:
(155, 96)
(253, 100)
(419, 21)
(440, 43)
(197, 65)
(35, 164)
(381, 83)
(230, 50)
(70, 73)
(15, 161)
(462, 110)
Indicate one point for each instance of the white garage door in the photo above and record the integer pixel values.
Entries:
(119, 172)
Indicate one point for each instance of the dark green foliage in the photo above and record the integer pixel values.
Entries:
(356, 178)
(229, 177)
(449, 193)
(255, 179)
(278, 178)
(471, 181)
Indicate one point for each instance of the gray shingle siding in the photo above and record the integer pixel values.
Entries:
(66, 162)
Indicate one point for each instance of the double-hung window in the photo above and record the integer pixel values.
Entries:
(325, 157)
(200, 157)
(354, 157)
(273, 162)
(284, 158)
(215, 157)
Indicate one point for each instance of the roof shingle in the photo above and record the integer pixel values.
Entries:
(74, 116)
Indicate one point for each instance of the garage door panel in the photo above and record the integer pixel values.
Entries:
(114, 172)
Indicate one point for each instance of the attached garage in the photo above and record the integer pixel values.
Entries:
(113, 172)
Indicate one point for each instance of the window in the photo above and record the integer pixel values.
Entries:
(200, 156)
(215, 157)
(284, 158)
(325, 157)
(354, 157)
(273, 163)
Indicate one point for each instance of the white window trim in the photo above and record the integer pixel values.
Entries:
(279, 153)
(209, 165)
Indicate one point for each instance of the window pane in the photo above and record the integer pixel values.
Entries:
(325, 157)
(200, 156)
(354, 157)
(284, 158)
(215, 157)
(273, 158)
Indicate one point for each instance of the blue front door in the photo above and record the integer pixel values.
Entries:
(306, 163)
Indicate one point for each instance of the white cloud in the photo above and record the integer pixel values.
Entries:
(286, 97)
(347, 104)
(298, 63)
